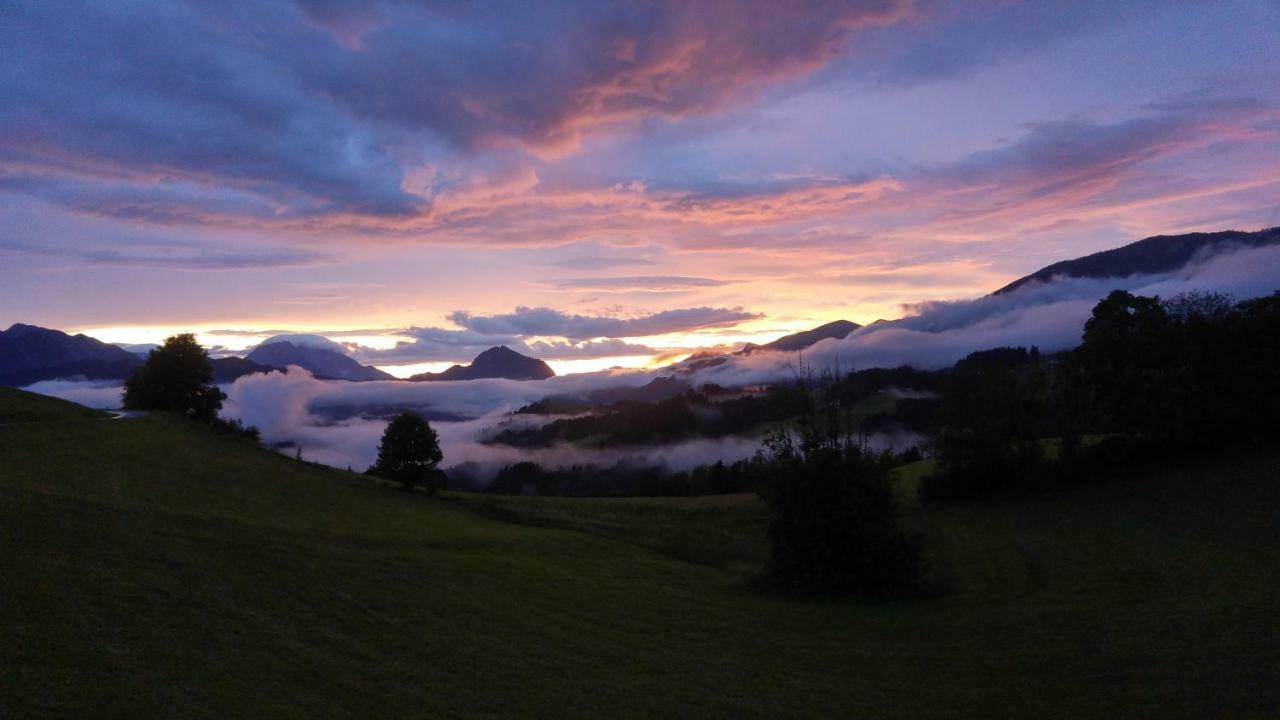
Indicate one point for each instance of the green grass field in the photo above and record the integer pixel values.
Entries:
(151, 568)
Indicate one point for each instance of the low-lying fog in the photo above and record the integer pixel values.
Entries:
(339, 423)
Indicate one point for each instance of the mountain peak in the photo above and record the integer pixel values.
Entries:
(499, 351)
(323, 359)
(498, 361)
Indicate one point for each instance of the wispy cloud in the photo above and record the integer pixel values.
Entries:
(526, 321)
(639, 283)
(173, 256)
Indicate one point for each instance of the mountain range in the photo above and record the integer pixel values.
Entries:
(30, 354)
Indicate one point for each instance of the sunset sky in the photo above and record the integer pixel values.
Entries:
(602, 183)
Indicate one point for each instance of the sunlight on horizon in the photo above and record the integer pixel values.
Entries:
(235, 341)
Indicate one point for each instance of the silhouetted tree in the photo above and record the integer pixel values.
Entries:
(1121, 361)
(833, 518)
(409, 453)
(176, 377)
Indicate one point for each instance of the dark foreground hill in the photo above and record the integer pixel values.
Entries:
(496, 362)
(30, 354)
(154, 569)
(1159, 254)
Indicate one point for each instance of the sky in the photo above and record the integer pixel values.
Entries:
(602, 183)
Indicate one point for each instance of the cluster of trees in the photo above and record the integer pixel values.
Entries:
(1151, 378)
(1185, 372)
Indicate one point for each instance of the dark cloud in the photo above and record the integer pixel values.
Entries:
(954, 37)
(173, 256)
(280, 110)
(190, 108)
(548, 322)
(542, 74)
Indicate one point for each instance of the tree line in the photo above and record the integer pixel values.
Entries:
(1151, 379)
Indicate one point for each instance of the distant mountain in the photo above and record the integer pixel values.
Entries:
(794, 342)
(1162, 253)
(656, 390)
(30, 354)
(324, 362)
(496, 362)
(227, 369)
(838, 329)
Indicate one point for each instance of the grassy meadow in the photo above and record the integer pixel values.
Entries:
(152, 568)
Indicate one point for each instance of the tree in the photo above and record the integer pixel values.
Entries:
(409, 453)
(833, 518)
(1122, 362)
(176, 377)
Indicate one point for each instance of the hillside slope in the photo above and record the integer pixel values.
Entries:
(153, 569)
(838, 330)
(1159, 254)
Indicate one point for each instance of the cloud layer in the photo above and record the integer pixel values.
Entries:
(546, 321)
